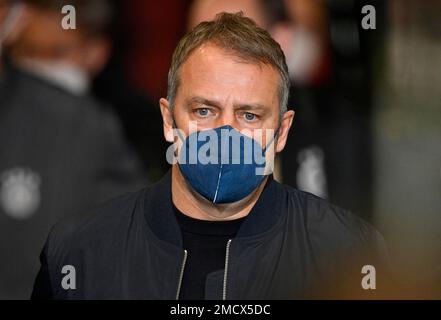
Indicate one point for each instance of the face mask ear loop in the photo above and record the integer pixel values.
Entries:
(175, 127)
(272, 140)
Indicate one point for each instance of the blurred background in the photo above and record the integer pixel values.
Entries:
(80, 121)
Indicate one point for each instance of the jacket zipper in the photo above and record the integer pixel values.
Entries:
(181, 275)
(227, 256)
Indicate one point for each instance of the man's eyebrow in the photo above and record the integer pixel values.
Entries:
(204, 101)
(251, 106)
(217, 104)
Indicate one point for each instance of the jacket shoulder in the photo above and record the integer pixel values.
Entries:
(339, 243)
(99, 226)
(329, 223)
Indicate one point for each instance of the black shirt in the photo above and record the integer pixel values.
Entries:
(205, 242)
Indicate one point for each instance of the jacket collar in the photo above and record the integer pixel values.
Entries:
(160, 217)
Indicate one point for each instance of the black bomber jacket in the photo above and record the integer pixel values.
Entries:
(292, 245)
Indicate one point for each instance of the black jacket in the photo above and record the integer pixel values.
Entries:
(291, 245)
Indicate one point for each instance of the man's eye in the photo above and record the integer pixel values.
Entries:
(250, 116)
(203, 112)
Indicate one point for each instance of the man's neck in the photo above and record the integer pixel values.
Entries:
(194, 205)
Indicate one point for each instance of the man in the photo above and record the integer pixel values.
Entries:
(222, 228)
(60, 155)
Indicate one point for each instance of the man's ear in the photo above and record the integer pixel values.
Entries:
(167, 119)
(285, 125)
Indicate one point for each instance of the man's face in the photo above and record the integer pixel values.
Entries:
(217, 89)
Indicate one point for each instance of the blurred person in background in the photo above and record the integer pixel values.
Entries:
(68, 59)
(61, 152)
(330, 153)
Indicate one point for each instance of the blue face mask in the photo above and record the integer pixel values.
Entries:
(222, 164)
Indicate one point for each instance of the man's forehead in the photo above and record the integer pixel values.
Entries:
(211, 51)
(214, 64)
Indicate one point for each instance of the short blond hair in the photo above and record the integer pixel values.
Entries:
(236, 34)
